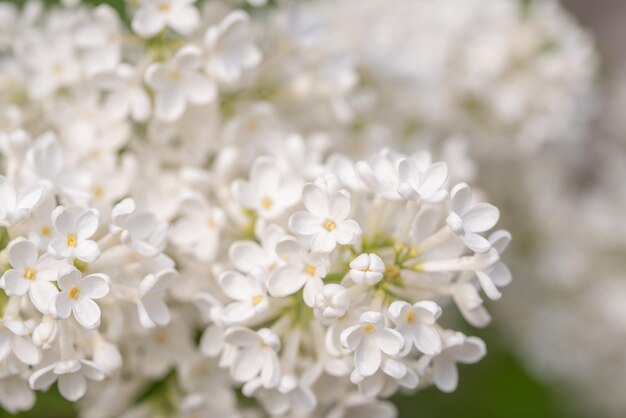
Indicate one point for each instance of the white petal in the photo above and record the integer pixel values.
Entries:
(42, 378)
(315, 201)
(476, 242)
(62, 305)
(394, 368)
(25, 350)
(22, 254)
(59, 249)
(170, 104)
(238, 312)
(87, 224)
(86, 312)
(389, 341)
(481, 217)
(323, 241)
(367, 357)
(488, 286)
(461, 195)
(157, 310)
(15, 283)
(184, 20)
(285, 281)
(41, 294)
(445, 373)
(346, 231)
(212, 341)
(199, 90)
(242, 337)
(69, 276)
(501, 275)
(246, 255)
(339, 207)
(239, 287)
(427, 340)
(248, 364)
(312, 288)
(94, 286)
(87, 251)
(72, 386)
(147, 23)
(472, 351)
(304, 223)
(270, 373)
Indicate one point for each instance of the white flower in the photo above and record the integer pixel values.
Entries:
(416, 323)
(302, 269)
(197, 231)
(230, 47)
(31, 274)
(422, 186)
(71, 375)
(269, 192)
(140, 230)
(380, 174)
(77, 295)
(325, 221)
(73, 228)
(15, 338)
(45, 334)
(151, 307)
(493, 273)
(247, 256)
(467, 220)
(179, 82)
(248, 293)
(15, 394)
(256, 356)
(457, 348)
(469, 302)
(107, 356)
(126, 94)
(15, 209)
(332, 302)
(154, 15)
(367, 269)
(368, 340)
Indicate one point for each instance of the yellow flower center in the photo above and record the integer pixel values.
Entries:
(58, 68)
(97, 192)
(330, 225)
(368, 328)
(175, 74)
(310, 270)
(392, 271)
(71, 240)
(74, 292)
(257, 300)
(410, 317)
(266, 203)
(164, 7)
(45, 231)
(251, 125)
(30, 274)
(212, 223)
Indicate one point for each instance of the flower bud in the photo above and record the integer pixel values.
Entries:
(332, 302)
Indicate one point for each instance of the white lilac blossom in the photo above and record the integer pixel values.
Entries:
(192, 206)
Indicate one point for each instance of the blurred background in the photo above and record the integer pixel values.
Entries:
(556, 347)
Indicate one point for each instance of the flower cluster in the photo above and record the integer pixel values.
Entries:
(344, 285)
(194, 221)
(66, 265)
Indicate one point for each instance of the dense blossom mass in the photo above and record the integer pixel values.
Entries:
(199, 220)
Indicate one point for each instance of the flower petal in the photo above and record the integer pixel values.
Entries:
(86, 312)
